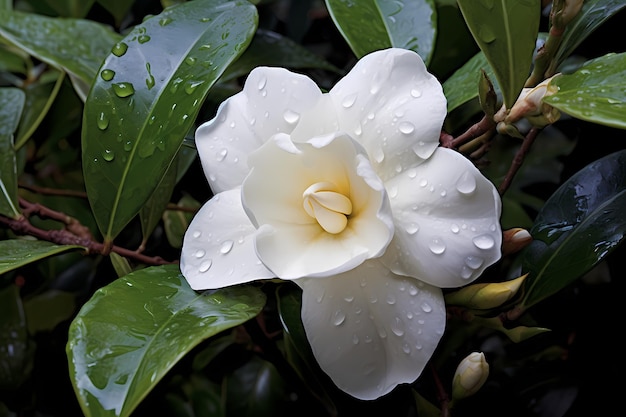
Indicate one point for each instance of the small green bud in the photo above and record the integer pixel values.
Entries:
(487, 95)
(485, 296)
(470, 376)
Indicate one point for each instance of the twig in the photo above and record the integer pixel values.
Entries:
(442, 395)
(483, 126)
(529, 139)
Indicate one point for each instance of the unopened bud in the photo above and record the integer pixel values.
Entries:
(470, 376)
(530, 105)
(485, 296)
(514, 240)
(564, 12)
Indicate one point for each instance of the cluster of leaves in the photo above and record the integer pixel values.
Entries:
(99, 180)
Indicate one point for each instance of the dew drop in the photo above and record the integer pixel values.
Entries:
(437, 246)
(128, 145)
(466, 184)
(412, 228)
(426, 308)
(143, 38)
(191, 86)
(165, 21)
(423, 182)
(406, 348)
(107, 74)
(221, 155)
(108, 155)
(196, 234)
(205, 266)
(291, 116)
(338, 318)
(226, 247)
(379, 155)
(103, 121)
(466, 273)
(415, 93)
(484, 242)
(474, 262)
(200, 253)
(119, 49)
(355, 339)
(397, 327)
(411, 173)
(406, 128)
(190, 60)
(391, 299)
(262, 83)
(348, 101)
(371, 116)
(123, 90)
(382, 333)
(349, 298)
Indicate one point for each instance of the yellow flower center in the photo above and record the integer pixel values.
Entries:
(325, 203)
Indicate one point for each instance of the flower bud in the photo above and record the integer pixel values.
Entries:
(470, 376)
(564, 12)
(485, 296)
(514, 240)
(530, 105)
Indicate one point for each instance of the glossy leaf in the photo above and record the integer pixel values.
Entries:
(46, 310)
(462, 86)
(506, 31)
(370, 25)
(596, 92)
(13, 339)
(15, 253)
(152, 211)
(73, 45)
(580, 224)
(177, 221)
(592, 15)
(11, 105)
(274, 50)
(146, 99)
(131, 332)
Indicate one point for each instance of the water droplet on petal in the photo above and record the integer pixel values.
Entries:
(379, 155)
(397, 327)
(474, 262)
(415, 93)
(466, 184)
(262, 82)
(391, 299)
(291, 116)
(412, 228)
(466, 273)
(355, 339)
(348, 101)
(437, 246)
(382, 333)
(426, 308)
(196, 234)
(484, 242)
(423, 182)
(413, 291)
(411, 173)
(221, 155)
(226, 247)
(200, 253)
(406, 348)
(338, 318)
(205, 266)
(406, 128)
(349, 298)
(455, 228)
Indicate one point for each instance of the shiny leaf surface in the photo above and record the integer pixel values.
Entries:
(15, 253)
(580, 224)
(11, 105)
(506, 32)
(147, 95)
(596, 92)
(370, 25)
(462, 86)
(131, 332)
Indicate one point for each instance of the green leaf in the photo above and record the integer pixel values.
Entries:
(370, 25)
(147, 97)
(596, 92)
(131, 332)
(462, 86)
(581, 223)
(73, 45)
(15, 253)
(13, 339)
(593, 14)
(272, 49)
(11, 61)
(177, 221)
(152, 211)
(46, 310)
(11, 105)
(506, 31)
(71, 8)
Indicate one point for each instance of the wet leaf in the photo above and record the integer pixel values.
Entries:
(596, 92)
(146, 98)
(131, 332)
(11, 105)
(73, 45)
(370, 25)
(580, 224)
(462, 86)
(177, 221)
(506, 32)
(15, 253)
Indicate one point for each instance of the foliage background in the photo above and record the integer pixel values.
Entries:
(574, 370)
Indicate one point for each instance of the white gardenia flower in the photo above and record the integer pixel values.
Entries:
(348, 195)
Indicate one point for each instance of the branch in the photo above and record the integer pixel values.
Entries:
(529, 139)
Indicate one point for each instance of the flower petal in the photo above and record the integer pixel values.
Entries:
(218, 248)
(271, 101)
(370, 329)
(291, 241)
(447, 218)
(393, 107)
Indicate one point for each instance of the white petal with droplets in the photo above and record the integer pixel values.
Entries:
(370, 329)
(291, 242)
(446, 215)
(393, 106)
(271, 101)
(218, 248)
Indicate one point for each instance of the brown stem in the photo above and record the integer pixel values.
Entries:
(483, 126)
(529, 139)
(442, 394)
